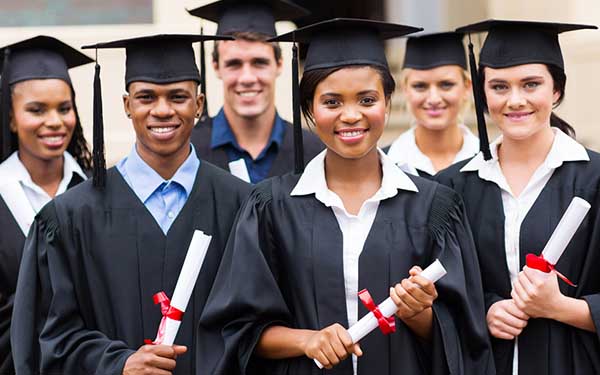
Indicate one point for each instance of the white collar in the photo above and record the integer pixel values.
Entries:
(313, 180)
(564, 149)
(12, 169)
(407, 155)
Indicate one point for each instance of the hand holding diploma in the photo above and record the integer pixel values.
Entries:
(386, 310)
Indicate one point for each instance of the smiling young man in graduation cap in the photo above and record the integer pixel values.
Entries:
(247, 137)
(102, 251)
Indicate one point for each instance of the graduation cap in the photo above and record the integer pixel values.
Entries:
(510, 43)
(335, 43)
(161, 59)
(41, 57)
(432, 50)
(244, 16)
(249, 15)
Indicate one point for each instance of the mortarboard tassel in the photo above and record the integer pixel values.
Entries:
(5, 135)
(98, 153)
(484, 145)
(298, 143)
(203, 77)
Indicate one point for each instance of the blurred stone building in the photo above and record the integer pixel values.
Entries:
(80, 22)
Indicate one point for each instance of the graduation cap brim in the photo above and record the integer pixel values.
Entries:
(282, 9)
(129, 42)
(383, 29)
(73, 57)
(555, 27)
(430, 50)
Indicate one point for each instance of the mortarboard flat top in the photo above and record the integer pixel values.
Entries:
(511, 43)
(345, 41)
(433, 50)
(162, 58)
(40, 57)
(249, 16)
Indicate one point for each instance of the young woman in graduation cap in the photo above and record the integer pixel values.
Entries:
(436, 87)
(515, 192)
(43, 151)
(305, 244)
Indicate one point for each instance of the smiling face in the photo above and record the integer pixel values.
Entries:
(349, 111)
(43, 116)
(436, 96)
(163, 116)
(248, 70)
(520, 99)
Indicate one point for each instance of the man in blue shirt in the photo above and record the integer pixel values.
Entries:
(96, 256)
(247, 137)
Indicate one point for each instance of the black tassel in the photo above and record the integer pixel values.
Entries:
(298, 143)
(5, 134)
(203, 77)
(484, 143)
(98, 153)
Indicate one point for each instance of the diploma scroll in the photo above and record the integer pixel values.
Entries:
(173, 310)
(562, 235)
(388, 308)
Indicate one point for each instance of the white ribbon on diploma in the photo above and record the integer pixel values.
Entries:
(368, 323)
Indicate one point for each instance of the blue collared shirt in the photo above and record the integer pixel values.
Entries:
(163, 198)
(258, 169)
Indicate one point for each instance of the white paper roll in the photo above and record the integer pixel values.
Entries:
(368, 323)
(186, 282)
(565, 230)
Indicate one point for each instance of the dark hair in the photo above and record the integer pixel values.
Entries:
(559, 79)
(77, 147)
(311, 79)
(249, 36)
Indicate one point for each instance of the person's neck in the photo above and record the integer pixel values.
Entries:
(252, 134)
(531, 151)
(165, 166)
(47, 174)
(352, 176)
(442, 142)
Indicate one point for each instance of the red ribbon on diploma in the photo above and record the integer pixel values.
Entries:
(167, 311)
(386, 325)
(541, 264)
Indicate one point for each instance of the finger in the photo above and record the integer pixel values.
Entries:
(179, 349)
(512, 321)
(166, 351)
(415, 270)
(345, 338)
(338, 347)
(519, 296)
(162, 363)
(512, 331)
(407, 297)
(322, 358)
(394, 295)
(421, 289)
(501, 335)
(515, 311)
(330, 353)
(425, 284)
(357, 350)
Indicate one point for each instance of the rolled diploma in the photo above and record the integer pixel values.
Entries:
(565, 230)
(186, 281)
(368, 323)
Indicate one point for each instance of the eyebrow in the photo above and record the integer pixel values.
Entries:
(528, 78)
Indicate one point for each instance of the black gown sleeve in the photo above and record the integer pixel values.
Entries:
(47, 310)
(245, 298)
(459, 326)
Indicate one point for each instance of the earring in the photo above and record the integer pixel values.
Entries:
(129, 115)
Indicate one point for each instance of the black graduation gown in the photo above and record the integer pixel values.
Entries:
(93, 261)
(283, 265)
(11, 250)
(284, 161)
(546, 347)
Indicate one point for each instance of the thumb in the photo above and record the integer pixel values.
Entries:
(179, 349)
(357, 350)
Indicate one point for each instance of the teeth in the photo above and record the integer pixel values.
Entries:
(162, 130)
(355, 133)
(249, 93)
(53, 139)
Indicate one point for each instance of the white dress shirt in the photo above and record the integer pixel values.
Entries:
(14, 173)
(354, 228)
(564, 149)
(408, 156)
